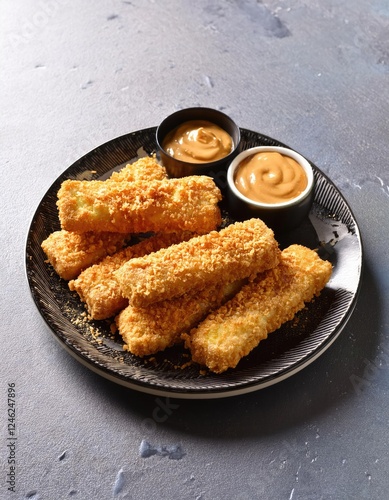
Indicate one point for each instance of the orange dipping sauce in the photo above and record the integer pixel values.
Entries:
(270, 177)
(198, 141)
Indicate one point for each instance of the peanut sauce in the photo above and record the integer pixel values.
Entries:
(270, 177)
(198, 141)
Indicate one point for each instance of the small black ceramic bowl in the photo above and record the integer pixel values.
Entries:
(176, 167)
(282, 216)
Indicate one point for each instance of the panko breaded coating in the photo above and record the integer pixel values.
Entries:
(151, 329)
(238, 251)
(97, 285)
(70, 253)
(170, 205)
(146, 169)
(261, 307)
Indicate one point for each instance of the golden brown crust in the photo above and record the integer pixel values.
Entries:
(238, 251)
(187, 204)
(173, 283)
(149, 330)
(146, 169)
(70, 253)
(97, 286)
(231, 332)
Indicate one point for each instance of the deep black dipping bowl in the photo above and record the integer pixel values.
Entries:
(179, 168)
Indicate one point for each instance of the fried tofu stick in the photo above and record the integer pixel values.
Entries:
(238, 251)
(186, 204)
(97, 286)
(261, 307)
(146, 169)
(70, 253)
(149, 330)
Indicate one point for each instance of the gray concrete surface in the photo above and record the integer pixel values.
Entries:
(312, 74)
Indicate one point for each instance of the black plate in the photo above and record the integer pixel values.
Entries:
(331, 228)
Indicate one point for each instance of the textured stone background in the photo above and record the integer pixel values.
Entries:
(309, 73)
